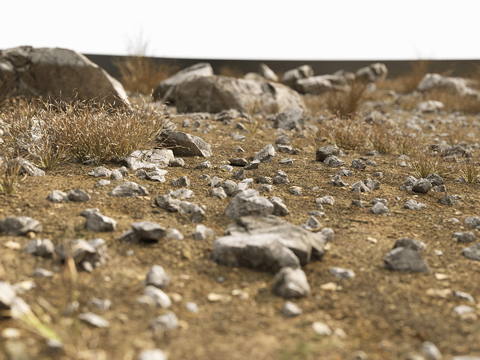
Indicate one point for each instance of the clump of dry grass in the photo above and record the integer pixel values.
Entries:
(347, 133)
(409, 82)
(383, 137)
(454, 102)
(470, 170)
(346, 103)
(9, 176)
(426, 162)
(54, 132)
(231, 72)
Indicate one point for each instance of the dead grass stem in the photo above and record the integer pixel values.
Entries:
(346, 103)
(470, 169)
(425, 163)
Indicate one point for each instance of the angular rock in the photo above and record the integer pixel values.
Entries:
(422, 186)
(182, 181)
(19, 225)
(38, 247)
(379, 208)
(289, 119)
(238, 161)
(86, 254)
(324, 152)
(280, 178)
(100, 171)
(148, 159)
(358, 164)
(116, 175)
(94, 319)
(183, 144)
(326, 200)
(314, 85)
(129, 189)
(472, 252)
(372, 184)
(248, 202)
(148, 230)
(342, 273)
(405, 259)
(410, 244)
(333, 161)
(290, 283)
(204, 165)
(435, 180)
(267, 73)
(452, 85)
(250, 166)
(464, 237)
(218, 193)
(473, 221)
(229, 187)
(158, 277)
(266, 154)
(430, 106)
(408, 184)
(182, 193)
(413, 205)
(360, 187)
(177, 162)
(372, 73)
(336, 180)
(174, 234)
(291, 309)
(57, 196)
(78, 195)
(161, 299)
(203, 233)
(291, 77)
(163, 323)
(98, 222)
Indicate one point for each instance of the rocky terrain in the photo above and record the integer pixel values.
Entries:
(271, 220)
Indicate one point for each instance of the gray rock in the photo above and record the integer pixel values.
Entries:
(183, 144)
(344, 172)
(447, 200)
(358, 203)
(248, 202)
(25, 166)
(101, 304)
(464, 237)
(242, 186)
(378, 174)
(129, 189)
(182, 181)
(286, 161)
(163, 323)
(290, 283)
(192, 307)
(379, 208)
(158, 277)
(435, 180)
(463, 309)
(377, 200)
(229, 187)
(100, 171)
(405, 259)
(238, 161)
(342, 273)
(283, 140)
(291, 309)
(336, 180)
(266, 154)
(182, 193)
(295, 190)
(78, 195)
(218, 192)
(57, 196)
(160, 298)
(313, 223)
(204, 165)
(7, 295)
(239, 174)
(148, 159)
(452, 85)
(360, 187)
(358, 164)
(326, 200)
(177, 162)
(215, 182)
(472, 252)
(372, 163)
(264, 180)
(267, 73)
(94, 319)
(333, 161)
(203, 233)
(324, 152)
(410, 244)
(148, 230)
(372, 184)
(38, 247)
(279, 208)
(372, 73)
(408, 184)
(413, 205)
(86, 254)
(289, 119)
(314, 85)
(285, 149)
(152, 354)
(280, 177)
(116, 175)
(464, 296)
(98, 222)
(431, 351)
(473, 221)
(291, 77)
(19, 225)
(251, 165)
(422, 186)
(440, 188)
(174, 234)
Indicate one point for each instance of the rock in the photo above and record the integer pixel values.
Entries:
(239, 174)
(440, 188)
(148, 159)
(182, 181)
(86, 254)
(279, 208)
(248, 202)
(321, 329)
(470, 221)
(379, 208)
(372, 184)
(464, 296)
(463, 309)
(372, 73)
(174, 234)
(452, 85)
(204, 165)
(435, 180)
(183, 144)
(422, 186)
(264, 180)
(20, 225)
(323, 153)
(163, 323)
(360, 187)
(333, 161)
(182, 193)
(153, 354)
(464, 237)
(251, 166)
(358, 164)
(174, 205)
(218, 193)
(267, 73)
(148, 230)
(342, 273)
(100, 171)
(409, 183)
(192, 307)
(291, 309)
(177, 162)
(78, 195)
(358, 203)
(101, 304)
(7, 295)
(203, 233)
(57, 196)
(215, 182)
(290, 283)
(336, 180)
(430, 106)
(280, 177)
(405, 259)
(431, 351)
(410, 244)
(266, 154)
(98, 222)
(161, 299)
(94, 319)
(116, 175)
(326, 200)
(238, 161)
(314, 85)
(31, 70)
(313, 223)
(216, 93)
(291, 77)
(289, 119)
(166, 88)
(229, 187)
(158, 277)
(472, 252)
(242, 185)
(38, 247)
(129, 189)
(413, 205)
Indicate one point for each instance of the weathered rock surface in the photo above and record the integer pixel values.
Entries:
(78, 195)
(405, 259)
(158, 277)
(472, 252)
(248, 202)
(456, 86)
(86, 254)
(324, 152)
(291, 283)
(183, 144)
(25, 166)
(19, 225)
(266, 154)
(98, 222)
(289, 119)
(39, 247)
(129, 189)
(148, 159)
(291, 77)
(373, 73)
(148, 230)
(57, 196)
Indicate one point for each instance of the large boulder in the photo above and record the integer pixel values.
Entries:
(267, 73)
(453, 85)
(59, 73)
(165, 88)
(372, 73)
(291, 77)
(216, 93)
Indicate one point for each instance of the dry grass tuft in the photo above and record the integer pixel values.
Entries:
(409, 82)
(383, 138)
(347, 133)
(346, 103)
(455, 102)
(470, 170)
(426, 162)
(9, 176)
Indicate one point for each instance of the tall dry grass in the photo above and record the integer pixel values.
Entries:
(346, 103)
(408, 82)
(425, 162)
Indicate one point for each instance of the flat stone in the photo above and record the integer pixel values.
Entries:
(472, 252)
(290, 283)
(410, 244)
(183, 144)
(279, 208)
(100, 171)
(405, 259)
(182, 181)
(413, 205)
(464, 237)
(342, 273)
(148, 230)
(248, 202)
(204, 165)
(20, 225)
(97, 221)
(57, 196)
(78, 195)
(266, 154)
(94, 319)
(379, 208)
(148, 159)
(129, 189)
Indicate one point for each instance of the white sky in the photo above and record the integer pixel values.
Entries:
(244, 29)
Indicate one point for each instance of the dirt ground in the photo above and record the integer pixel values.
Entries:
(384, 313)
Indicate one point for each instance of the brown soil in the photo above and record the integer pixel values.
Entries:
(384, 313)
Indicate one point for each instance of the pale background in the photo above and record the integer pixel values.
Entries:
(293, 30)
